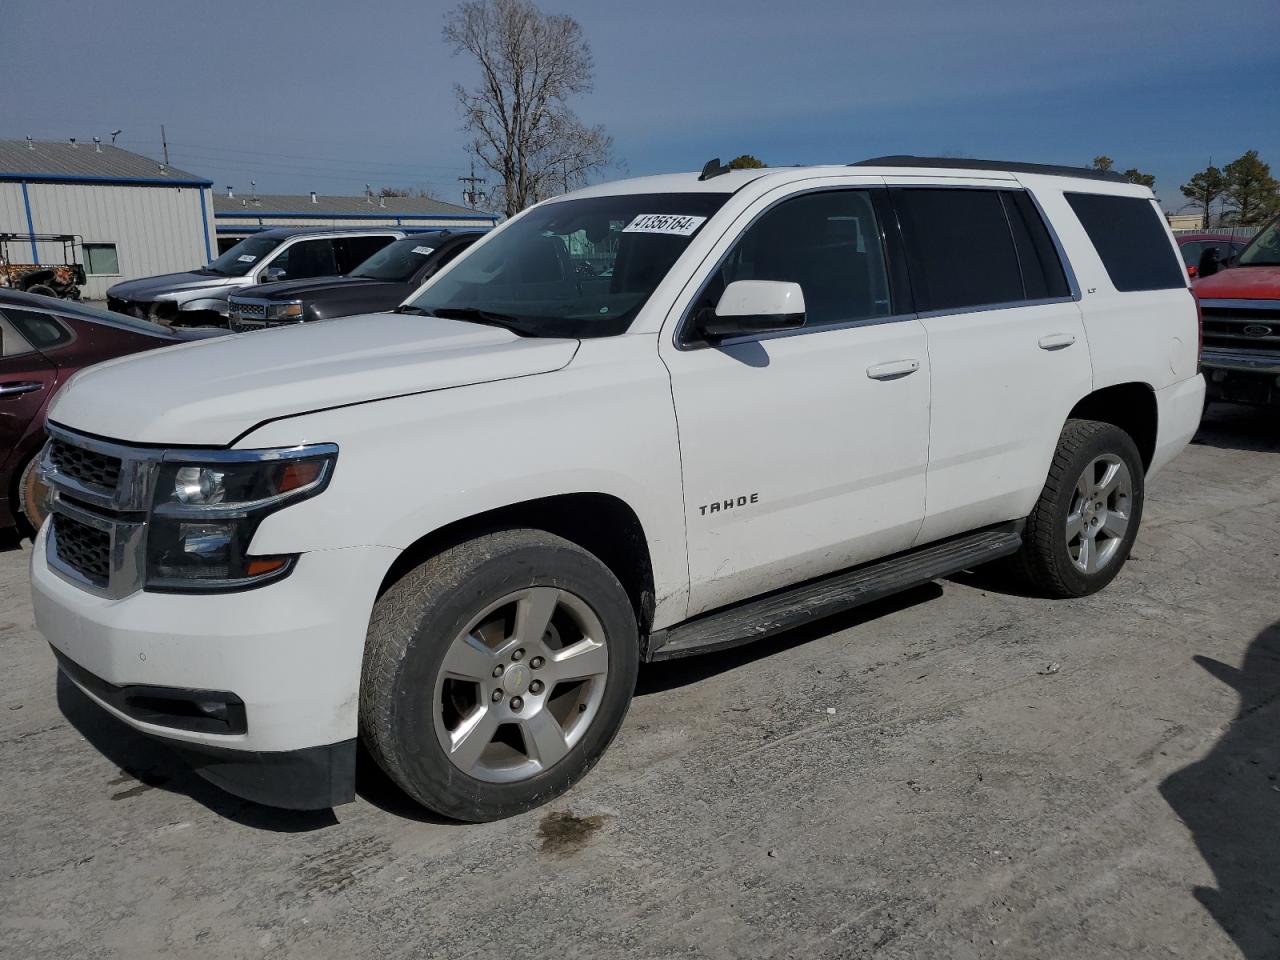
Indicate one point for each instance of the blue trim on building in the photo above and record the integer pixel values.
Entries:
(117, 181)
(250, 214)
(31, 225)
(204, 221)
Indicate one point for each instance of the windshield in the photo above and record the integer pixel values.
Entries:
(243, 257)
(397, 261)
(1264, 251)
(572, 268)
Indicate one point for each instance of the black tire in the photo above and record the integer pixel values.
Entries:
(31, 500)
(1045, 562)
(412, 628)
(42, 290)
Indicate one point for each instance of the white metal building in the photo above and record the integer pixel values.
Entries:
(239, 216)
(135, 216)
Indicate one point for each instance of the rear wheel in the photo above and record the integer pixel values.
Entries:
(42, 290)
(497, 672)
(1083, 526)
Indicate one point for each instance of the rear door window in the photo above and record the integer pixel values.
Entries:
(1129, 235)
(959, 248)
(1190, 252)
(307, 258)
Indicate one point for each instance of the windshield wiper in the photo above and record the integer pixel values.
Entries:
(410, 308)
(487, 317)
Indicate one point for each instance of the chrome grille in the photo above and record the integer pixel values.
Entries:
(87, 466)
(99, 495)
(245, 309)
(83, 548)
(1251, 326)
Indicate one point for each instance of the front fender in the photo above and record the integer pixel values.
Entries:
(412, 465)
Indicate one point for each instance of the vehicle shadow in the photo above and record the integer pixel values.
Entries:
(1233, 427)
(670, 674)
(11, 539)
(1230, 801)
(154, 766)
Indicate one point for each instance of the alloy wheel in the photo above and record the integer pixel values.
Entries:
(520, 686)
(1098, 518)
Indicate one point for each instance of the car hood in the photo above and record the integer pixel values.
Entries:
(1240, 283)
(209, 393)
(315, 287)
(148, 288)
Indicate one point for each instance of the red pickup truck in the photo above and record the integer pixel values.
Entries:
(1241, 311)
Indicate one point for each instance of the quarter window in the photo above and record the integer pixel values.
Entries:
(100, 259)
(1130, 237)
(829, 243)
(959, 247)
(12, 343)
(38, 328)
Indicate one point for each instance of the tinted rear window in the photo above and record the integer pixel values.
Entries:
(1042, 273)
(1130, 237)
(960, 251)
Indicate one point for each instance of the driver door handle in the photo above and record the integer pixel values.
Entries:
(15, 387)
(893, 369)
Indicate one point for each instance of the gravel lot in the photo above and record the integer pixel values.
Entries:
(913, 780)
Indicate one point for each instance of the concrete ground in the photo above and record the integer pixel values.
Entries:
(960, 773)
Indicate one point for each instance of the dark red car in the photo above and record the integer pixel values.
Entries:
(43, 341)
(1193, 244)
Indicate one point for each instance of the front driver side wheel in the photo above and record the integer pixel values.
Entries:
(497, 672)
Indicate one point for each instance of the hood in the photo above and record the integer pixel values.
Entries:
(148, 288)
(1240, 283)
(314, 287)
(209, 393)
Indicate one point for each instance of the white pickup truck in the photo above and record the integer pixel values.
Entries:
(648, 419)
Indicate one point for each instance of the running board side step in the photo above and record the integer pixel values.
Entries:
(785, 609)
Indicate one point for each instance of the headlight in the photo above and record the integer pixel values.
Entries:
(285, 311)
(206, 512)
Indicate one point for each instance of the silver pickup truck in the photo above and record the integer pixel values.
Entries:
(199, 297)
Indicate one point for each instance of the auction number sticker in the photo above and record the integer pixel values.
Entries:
(423, 250)
(672, 224)
(246, 258)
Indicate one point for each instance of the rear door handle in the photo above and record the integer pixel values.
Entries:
(892, 369)
(15, 388)
(1057, 341)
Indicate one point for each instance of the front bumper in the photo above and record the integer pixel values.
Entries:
(1237, 377)
(290, 653)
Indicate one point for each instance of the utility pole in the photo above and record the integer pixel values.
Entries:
(470, 195)
(164, 143)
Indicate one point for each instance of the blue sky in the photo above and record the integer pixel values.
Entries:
(330, 95)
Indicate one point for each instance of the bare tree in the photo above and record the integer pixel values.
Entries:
(521, 125)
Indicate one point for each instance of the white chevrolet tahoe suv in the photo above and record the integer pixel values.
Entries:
(644, 420)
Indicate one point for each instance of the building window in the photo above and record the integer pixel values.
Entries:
(100, 259)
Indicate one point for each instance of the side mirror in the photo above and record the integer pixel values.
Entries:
(753, 306)
(1209, 263)
(272, 274)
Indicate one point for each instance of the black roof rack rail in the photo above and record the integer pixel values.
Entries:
(1012, 166)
